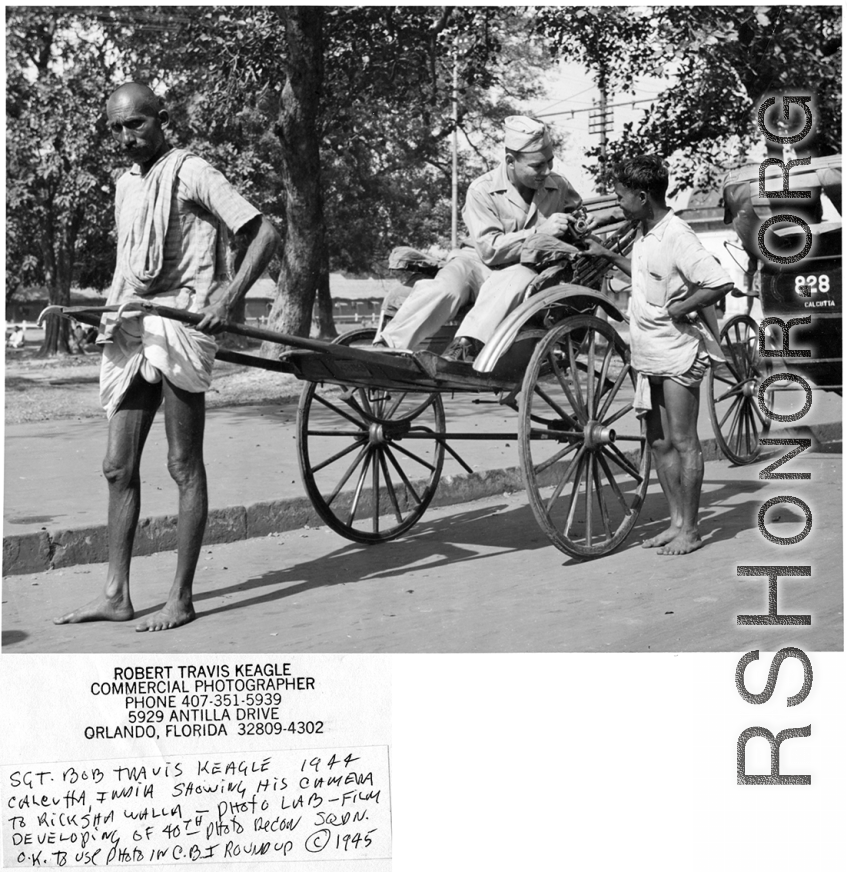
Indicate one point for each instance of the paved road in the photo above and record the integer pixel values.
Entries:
(480, 577)
(55, 495)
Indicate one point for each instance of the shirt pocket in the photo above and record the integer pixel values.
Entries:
(655, 288)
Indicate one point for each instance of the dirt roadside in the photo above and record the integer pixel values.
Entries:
(68, 387)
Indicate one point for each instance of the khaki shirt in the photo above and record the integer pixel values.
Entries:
(669, 263)
(499, 220)
(203, 208)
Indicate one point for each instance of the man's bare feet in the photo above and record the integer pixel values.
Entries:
(173, 614)
(101, 609)
(661, 538)
(684, 543)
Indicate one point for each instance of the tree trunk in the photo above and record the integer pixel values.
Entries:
(58, 269)
(302, 257)
(323, 308)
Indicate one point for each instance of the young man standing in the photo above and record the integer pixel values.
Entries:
(675, 283)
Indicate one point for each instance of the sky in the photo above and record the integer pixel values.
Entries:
(571, 87)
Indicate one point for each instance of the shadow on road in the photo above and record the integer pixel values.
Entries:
(470, 536)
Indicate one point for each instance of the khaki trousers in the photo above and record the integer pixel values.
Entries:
(500, 294)
(433, 302)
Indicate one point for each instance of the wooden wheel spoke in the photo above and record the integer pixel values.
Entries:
(734, 405)
(589, 503)
(339, 411)
(413, 413)
(396, 404)
(572, 398)
(625, 369)
(617, 456)
(344, 478)
(750, 429)
(403, 476)
(574, 371)
(613, 484)
(618, 415)
(389, 486)
(574, 494)
(572, 468)
(559, 455)
(563, 415)
(736, 409)
(601, 499)
(359, 485)
(723, 378)
(365, 401)
(375, 490)
(414, 457)
(750, 435)
(732, 362)
(337, 456)
(732, 392)
(604, 373)
(738, 428)
(590, 376)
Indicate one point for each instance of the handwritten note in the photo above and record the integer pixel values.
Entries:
(281, 805)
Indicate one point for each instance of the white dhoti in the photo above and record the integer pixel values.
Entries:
(155, 347)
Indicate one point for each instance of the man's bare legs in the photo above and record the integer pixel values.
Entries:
(128, 429)
(678, 458)
(184, 424)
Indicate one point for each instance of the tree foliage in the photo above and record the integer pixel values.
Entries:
(385, 109)
(384, 114)
(723, 60)
(58, 178)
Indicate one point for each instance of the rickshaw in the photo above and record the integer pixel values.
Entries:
(809, 286)
(372, 433)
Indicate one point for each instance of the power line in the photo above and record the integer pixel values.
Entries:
(565, 99)
(593, 108)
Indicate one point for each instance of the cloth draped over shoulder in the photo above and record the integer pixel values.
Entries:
(141, 244)
(177, 265)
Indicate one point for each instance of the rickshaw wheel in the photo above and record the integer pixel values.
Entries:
(737, 421)
(365, 484)
(584, 454)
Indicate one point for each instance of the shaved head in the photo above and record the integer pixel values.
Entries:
(140, 96)
(137, 120)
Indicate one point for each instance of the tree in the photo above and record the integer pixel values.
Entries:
(384, 112)
(297, 128)
(723, 61)
(58, 180)
(379, 88)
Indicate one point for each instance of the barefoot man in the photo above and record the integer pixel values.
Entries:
(675, 283)
(173, 212)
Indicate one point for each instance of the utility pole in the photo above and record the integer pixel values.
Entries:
(600, 120)
(454, 236)
(603, 139)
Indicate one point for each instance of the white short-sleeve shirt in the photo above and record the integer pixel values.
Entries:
(669, 263)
